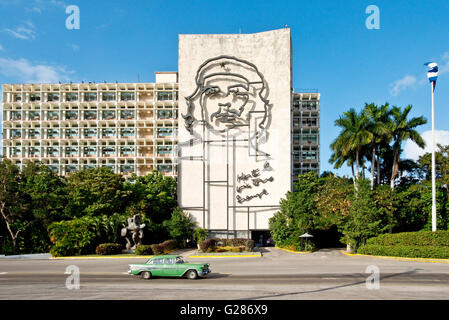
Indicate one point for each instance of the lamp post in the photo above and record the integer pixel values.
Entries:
(432, 74)
(306, 236)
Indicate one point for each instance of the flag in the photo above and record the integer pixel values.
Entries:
(432, 73)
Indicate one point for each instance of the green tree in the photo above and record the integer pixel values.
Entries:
(364, 219)
(402, 129)
(353, 137)
(378, 126)
(153, 195)
(297, 212)
(96, 191)
(180, 226)
(12, 208)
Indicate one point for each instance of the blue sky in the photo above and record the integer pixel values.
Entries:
(333, 50)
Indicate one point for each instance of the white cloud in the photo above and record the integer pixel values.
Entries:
(25, 31)
(22, 70)
(75, 47)
(402, 84)
(1, 48)
(412, 151)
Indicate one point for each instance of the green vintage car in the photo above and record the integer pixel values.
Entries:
(169, 266)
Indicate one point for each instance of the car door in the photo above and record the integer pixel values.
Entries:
(158, 268)
(170, 267)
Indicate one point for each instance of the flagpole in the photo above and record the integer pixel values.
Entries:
(434, 204)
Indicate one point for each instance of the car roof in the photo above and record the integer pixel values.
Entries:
(165, 256)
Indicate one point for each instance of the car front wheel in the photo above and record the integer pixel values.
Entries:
(192, 275)
(146, 275)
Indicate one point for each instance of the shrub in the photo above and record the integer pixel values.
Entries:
(74, 237)
(249, 245)
(168, 245)
(406, 251)
(143, 250)
(208, 244)
(420, 238)
(157, 249)
(199, 234)
(108, 248)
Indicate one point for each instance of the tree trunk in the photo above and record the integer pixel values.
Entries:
(378, 169)
(13, 237)
(357, 170)
(394, 170)
(373, 163)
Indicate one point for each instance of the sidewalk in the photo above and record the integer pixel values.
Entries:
(34, 256)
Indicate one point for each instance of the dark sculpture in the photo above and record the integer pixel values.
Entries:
(133, 231)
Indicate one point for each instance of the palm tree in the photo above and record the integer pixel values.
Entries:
(378, 126)
(353, 137)
(402, 129)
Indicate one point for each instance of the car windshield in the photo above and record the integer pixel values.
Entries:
(149, 261)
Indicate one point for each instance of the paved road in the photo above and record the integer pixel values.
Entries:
(326, 274)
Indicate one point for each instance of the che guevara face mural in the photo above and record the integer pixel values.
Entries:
(229, 92)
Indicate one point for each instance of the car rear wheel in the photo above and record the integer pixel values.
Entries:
(192, 275)
(146, 275)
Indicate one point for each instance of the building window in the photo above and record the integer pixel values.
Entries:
(51, 97)
(108, 115)
(164, 168)
(71, 96)
(52, 133)
(71, 133)
(16, 133)
(34, 115)
(127, 96)
(108, 133)
(90, 96)
(164, 114)
(127, 114)
(164, 95)
(71, 115)
(108, 96)
(34, 97)
(90, 115)
(164, 132)
(90, 133)
(52, 115)
(35, 133)
(162, 150)
(127, 132)
(17, 97)
(16, 115)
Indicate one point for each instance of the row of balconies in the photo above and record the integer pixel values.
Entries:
(126, 133)
(305, 105)
(91, 96)
(89, 115)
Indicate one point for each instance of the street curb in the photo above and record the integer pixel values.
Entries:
(398, 258)
(100, 257)
(301, 252)
(228, 256)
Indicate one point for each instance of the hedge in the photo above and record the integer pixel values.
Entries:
(108, 248)
(143, 249)
(420, 238)
(208, 245)
(406, 251)
(248, 244)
